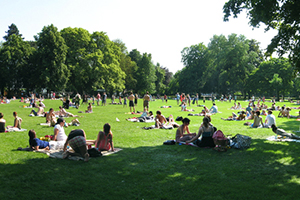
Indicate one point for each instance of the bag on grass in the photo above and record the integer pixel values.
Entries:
(220, 138)
(93, 152)
(241, 141)
(169, 142)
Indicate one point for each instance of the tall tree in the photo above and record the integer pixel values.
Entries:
(14, 57)
(12, 30)
(160, 77)
(282, 15)
(51, 56)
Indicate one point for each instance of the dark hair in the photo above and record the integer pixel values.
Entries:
(106, 128)
(158, 112)
(205, 121)
(1, 115)
(50, 109)
(31, 134)
(15, 113)
(257, 113)
(186, 120)
(59, 120)
(270, 111)
(150, 112)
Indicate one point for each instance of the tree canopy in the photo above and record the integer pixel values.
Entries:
(282, 15)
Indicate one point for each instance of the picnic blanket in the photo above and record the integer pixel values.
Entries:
(274, 138)
(15, 129)
(59, 153)
(137, 120)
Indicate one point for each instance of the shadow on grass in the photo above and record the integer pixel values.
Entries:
(267, 170)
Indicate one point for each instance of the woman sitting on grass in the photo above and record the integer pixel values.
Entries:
(89, 108)
(206, 131)
(17, 121)
(59, 131)
(104, 140)
(50, 117)
(36, 143)
(180, 133)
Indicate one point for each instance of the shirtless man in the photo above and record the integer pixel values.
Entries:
(131, 103)
(160, 120)
(50, 117)
(39, 112)
(284, 112)
(63, 113)
(146, 101)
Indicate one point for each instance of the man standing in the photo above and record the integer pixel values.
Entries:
(104, 99)
(131, 101)
(146, 101)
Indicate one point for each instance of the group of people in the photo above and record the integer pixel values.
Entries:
(17, 123)
(76, 139)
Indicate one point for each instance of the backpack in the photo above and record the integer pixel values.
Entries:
(219, 138)
(93, 152)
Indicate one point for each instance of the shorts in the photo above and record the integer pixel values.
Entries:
(77, 141)
(131, 104)
(35, 113)
(146, 103)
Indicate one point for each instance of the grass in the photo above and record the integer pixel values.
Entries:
(146, 169)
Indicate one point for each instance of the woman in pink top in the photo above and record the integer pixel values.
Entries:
(104, 141)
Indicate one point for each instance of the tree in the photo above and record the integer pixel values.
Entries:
(14, 57)
(12, 30)
(160, 77)
(272, 77)
(282, 15)
(50, 59)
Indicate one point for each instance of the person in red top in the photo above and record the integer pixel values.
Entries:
(104, 141)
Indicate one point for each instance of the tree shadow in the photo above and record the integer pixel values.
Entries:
(268, 170)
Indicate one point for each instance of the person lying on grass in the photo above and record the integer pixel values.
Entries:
(77, 141)
(35, 143)
(180, 133)
(145, 116)
(104, 140)
(207, 131)
(283, 133)
(242, 116)
(184, 108)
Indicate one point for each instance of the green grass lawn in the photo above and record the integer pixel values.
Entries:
(147, 169)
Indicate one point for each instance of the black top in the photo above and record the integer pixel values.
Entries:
(2, 127)
(74, 133)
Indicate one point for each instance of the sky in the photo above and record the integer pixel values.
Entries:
(159, 27)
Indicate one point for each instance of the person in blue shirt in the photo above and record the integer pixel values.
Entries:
(36, 143)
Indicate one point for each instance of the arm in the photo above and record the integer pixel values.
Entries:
(111, 142)
(66, 144)
(99, 138)
(55, 134)
(16, 123)
(196, 137)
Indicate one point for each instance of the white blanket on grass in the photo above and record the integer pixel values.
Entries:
(273, 138)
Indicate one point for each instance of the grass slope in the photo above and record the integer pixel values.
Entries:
(146, 169)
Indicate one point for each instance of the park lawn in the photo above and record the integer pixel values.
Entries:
(147, 169)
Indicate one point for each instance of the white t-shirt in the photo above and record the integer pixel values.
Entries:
(270, 119)
(61, 135)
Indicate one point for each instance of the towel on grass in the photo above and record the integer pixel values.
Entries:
(273, 138)
(15, 129)
(59, 153)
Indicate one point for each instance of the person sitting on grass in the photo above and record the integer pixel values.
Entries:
(50, 117)
(270, 119)
(213, 109)
(258, 123)
(160, 120)
(39, 112)
(234, 116)
(59, 131)
(184, 108)
(89, 108)
(17, 121)
(180, 133)
(206, 131)
(77, 141)
(2, 123)
(284, 112)
(250, 115)
(104, 140)
(283, 133)
(35, 143)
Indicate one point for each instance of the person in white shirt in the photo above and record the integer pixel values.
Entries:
(270, 119)
(59, 131)
(213, 109)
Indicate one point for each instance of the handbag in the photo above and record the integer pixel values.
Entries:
(241, 141)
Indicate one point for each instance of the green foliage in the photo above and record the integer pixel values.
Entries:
(282, 15)
(12, 30)
(272, 77)
(50, 62)
(14, 59)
